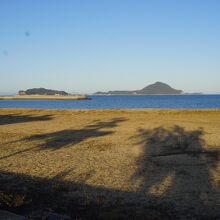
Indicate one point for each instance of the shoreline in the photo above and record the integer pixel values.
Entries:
(44, 97)
(128, 110)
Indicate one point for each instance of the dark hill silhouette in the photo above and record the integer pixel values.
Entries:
(41, 91)
(157, 88)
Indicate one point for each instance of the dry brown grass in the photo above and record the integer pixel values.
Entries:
(164, 161)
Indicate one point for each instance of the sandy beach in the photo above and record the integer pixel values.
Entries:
(44, 97)
(111, 164)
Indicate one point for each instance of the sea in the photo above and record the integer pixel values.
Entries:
(122, 102)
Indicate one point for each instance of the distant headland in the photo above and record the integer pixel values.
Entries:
(157, 88)
(42, 91)
(44, 94)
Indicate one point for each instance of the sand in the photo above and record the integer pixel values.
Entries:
(44, 97)
(116, 164)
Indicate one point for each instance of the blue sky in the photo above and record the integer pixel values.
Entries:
(87, 46)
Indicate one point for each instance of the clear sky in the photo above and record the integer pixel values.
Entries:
(92, 45)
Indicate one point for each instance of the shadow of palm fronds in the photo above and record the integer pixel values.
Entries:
(175, 165)
(15, 118)
(65, 138)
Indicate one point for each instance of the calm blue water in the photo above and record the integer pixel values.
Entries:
(115, 102)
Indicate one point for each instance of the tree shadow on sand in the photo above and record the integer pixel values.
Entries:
(16, 118)
(65, 138)
(68, 138)
(35, 197)
(175, 167)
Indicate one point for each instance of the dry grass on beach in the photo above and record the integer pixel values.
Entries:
(111, 163)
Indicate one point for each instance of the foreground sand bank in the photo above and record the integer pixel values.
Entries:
(44, 97)
(116, 164)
